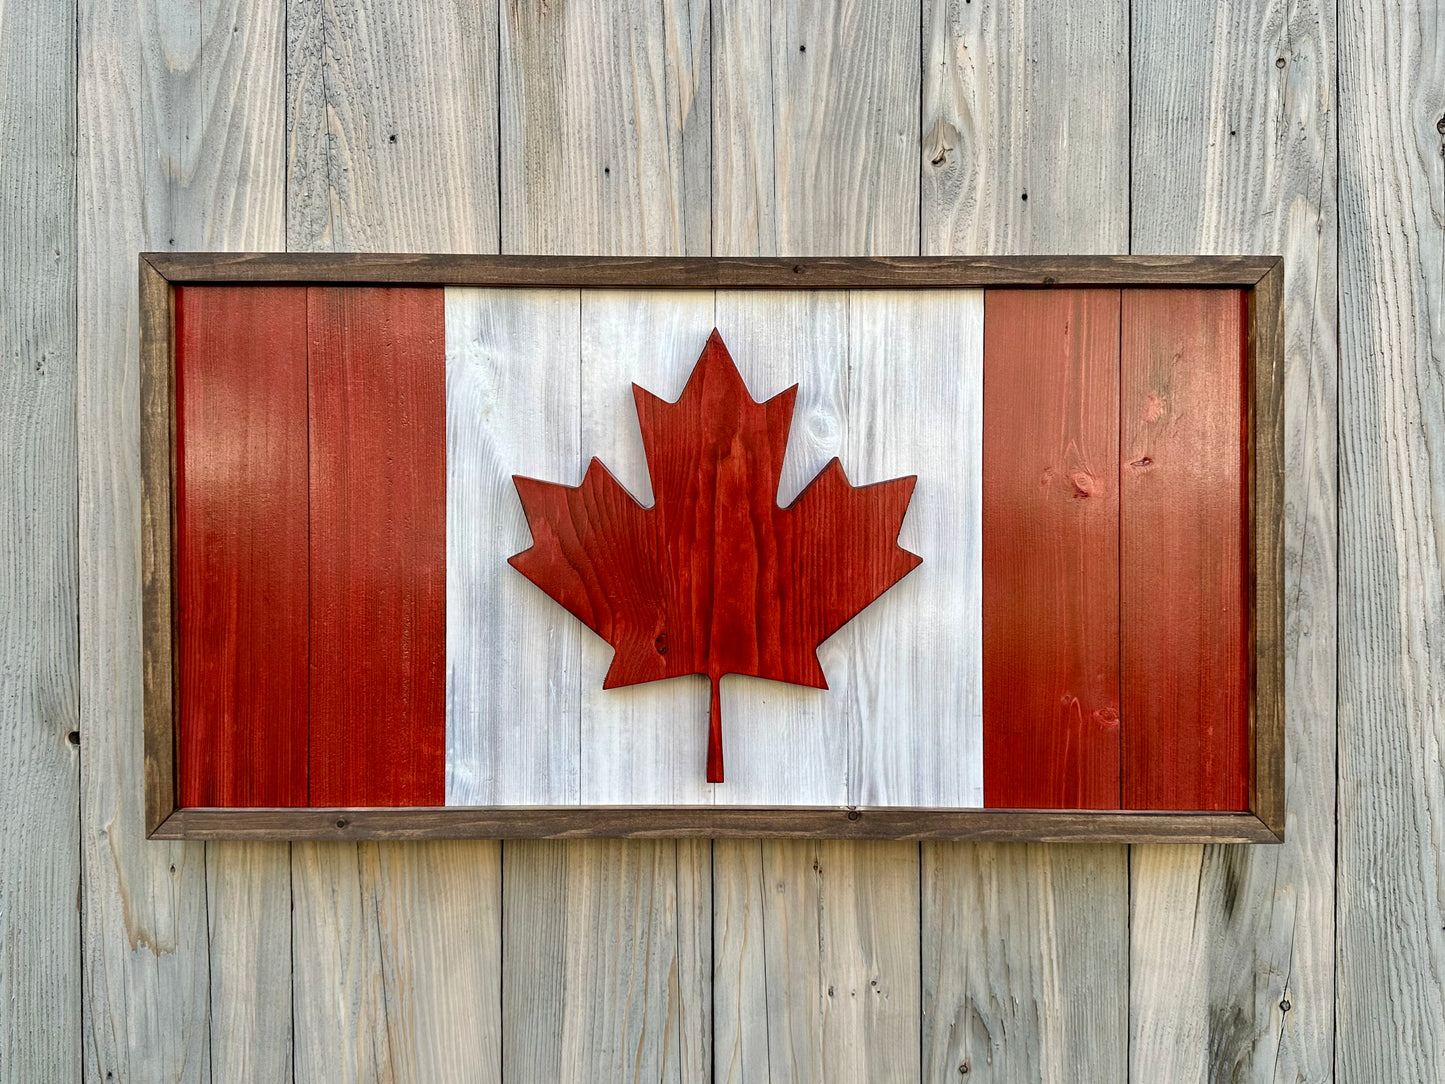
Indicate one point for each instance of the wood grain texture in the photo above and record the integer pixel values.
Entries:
(814, 113)
(606, 127)
(1020, 895)
(1243, 102)
(377, 402)
(1183, 560)
(716, 821)
(1390, 941)
(712, 273)
(818, 933)
(378, 97)
(1051, 529)
(605, 148)
(1011, 91)
(607, 978)
(242, 567)
(1002, 98)
(180, 143)
(40, 869)
(443, 153)
(813, 155)
(915, 656)
(513, 661)
(411, 936)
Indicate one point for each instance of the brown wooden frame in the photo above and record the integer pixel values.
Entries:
(1261, 277)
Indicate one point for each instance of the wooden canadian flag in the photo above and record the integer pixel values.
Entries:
(350, 632)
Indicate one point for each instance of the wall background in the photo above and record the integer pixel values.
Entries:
(1311, 128)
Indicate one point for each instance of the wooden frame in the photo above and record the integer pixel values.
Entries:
(1260, 277)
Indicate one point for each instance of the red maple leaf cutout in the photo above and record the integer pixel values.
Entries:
(715, 578)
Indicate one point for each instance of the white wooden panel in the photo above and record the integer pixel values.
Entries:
(514, 657)
(915, 656)
(642, 743)
(786, 744)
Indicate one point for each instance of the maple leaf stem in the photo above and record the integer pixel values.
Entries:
(714, 734)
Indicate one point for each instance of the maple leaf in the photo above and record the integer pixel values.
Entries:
(715, 578)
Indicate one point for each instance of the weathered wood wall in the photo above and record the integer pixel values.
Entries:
(729, 126)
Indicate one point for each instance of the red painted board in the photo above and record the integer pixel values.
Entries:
(241, 555)
(378, 546)
(1184, 553)
(1051, 549)
(715, 578)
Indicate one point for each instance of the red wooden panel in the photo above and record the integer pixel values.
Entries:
(1051, 549)
(1184, 551)
(378, 546)
(715, 578)
(241, 559)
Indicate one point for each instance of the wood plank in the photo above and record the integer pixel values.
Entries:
(713, 273)
(180, 144)
(1232, 972)
(241, 544)
(814, 118)
(382, 61)
(647, 743)
(1051, 547)
(1020, 895)
(814, 154)
(1390, 942)
(1183, 551)
(817, 931)
(379, 95)
(718, 822)
(916, 656)
(620, 92)
(607, 978)
(377, 399)
(1045, 86)
(514, 661)
(40, 871)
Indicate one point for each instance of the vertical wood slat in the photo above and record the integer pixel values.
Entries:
(1184, 616)
(421, 922)
(1390, 941)
(1051, 549)
(1025, 99)
(377, 402)
(241, 545)
(180, 143)
(40, 850)
(1233, 954)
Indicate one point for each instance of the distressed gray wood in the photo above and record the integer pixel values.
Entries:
(515, 659)
(813, 154)
(825, 934)
(815, 122)
(604, 145)
(1021, 97)
(606, 133)
(397, 947)
(180, 144)
(40, 990)
(1232, 959)
(1391, 902)
(915, 656)
(392, 125)
(606, 978)
(644, 743)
